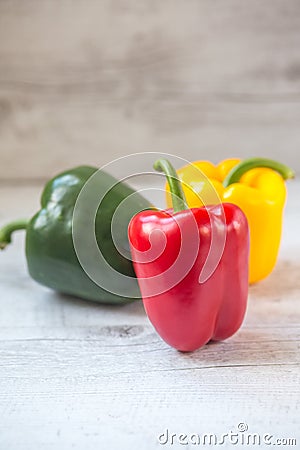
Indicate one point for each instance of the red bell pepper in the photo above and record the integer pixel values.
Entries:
(169, 250)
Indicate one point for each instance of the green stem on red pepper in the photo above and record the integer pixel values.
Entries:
(251, 163)
(7, 231)
(178, 198)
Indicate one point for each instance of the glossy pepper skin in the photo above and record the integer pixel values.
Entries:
(257, 186)
(185, 313)
(50, 253)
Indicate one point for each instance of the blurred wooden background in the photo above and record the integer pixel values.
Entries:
(85, 81)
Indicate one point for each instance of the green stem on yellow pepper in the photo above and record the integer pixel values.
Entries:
(251, 163)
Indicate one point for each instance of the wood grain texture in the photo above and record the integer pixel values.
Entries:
(76, 375)
(88, 81)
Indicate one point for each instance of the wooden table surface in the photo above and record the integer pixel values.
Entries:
(77, 375)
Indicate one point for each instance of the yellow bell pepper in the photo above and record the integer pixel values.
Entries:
(257, 186)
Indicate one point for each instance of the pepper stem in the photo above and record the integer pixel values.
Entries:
(251, 163)
(7, 231)
(178, 198)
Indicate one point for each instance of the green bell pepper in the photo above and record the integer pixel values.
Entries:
(51, 257)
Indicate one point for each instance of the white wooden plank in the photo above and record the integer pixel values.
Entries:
(132, 410)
